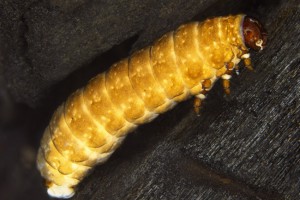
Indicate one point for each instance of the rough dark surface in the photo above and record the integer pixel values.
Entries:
(243, 146)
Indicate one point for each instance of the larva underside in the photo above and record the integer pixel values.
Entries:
(90, 125)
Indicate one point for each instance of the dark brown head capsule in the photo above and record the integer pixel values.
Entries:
(255, 36)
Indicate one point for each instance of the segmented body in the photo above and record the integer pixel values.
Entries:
(90, 125)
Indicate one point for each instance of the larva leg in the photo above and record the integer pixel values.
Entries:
(197, 105)
(206, 85)
(198, 102)
(227, 76)
(247, 61)
(226, 82)
(226, 86)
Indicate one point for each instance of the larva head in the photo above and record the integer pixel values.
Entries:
(255, 36)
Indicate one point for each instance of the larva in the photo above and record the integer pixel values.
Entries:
(91, 124)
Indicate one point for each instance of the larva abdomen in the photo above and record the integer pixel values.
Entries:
(172, 83)
(118, 86)
(94, 120)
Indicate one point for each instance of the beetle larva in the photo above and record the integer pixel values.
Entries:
(90, 125)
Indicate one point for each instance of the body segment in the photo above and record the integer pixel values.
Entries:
(91, 124)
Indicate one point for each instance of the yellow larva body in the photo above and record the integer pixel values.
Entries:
(90, 125)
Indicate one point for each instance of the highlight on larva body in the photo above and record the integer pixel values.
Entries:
(86, 129)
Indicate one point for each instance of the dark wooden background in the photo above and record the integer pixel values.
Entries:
(243, 146)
